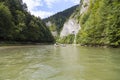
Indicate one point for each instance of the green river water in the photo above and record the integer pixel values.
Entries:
(46, 62)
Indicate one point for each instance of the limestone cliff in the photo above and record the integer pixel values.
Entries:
(72, 26)
(84, 5)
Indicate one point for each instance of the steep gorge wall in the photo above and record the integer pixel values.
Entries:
(100, 23)
(84, 5)
(72, 26)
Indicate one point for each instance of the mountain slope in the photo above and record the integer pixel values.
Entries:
(70, 28)
(60, 18)
(100, 24)
(16, 24)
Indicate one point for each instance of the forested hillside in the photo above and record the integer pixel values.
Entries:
(60, 18)
(100, 25)
(17, 24)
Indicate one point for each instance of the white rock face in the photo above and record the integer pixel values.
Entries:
(70, 27)
(48, 23)
(54, 33)
(85, 6)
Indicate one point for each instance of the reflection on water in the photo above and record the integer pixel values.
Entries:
(47, 62)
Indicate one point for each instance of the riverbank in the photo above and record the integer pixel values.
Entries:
(7, 43)
(90, 45)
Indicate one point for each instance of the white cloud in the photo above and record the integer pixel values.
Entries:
(76, 1)
(32, 4)
(51, 2)
(73, 1)
(42, 14)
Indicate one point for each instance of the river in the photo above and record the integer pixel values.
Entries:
(46, 62)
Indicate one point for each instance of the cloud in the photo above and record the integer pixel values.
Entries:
(32, 4)
(50, 3)
(73, 1)
(76, 1)
(42, 14)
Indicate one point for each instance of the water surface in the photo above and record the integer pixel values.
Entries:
(46, 62)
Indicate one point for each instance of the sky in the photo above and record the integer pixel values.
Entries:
(46, 8)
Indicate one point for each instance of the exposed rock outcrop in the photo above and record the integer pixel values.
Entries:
(84, 6)
(70, 27)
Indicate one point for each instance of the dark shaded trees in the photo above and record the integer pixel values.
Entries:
(6, 24)
(16, 24)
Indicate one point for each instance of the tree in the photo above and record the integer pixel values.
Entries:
(6, 24)
(16, 24)
(100, 25)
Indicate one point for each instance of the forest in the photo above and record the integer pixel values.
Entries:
(18, 25)
(100, 25)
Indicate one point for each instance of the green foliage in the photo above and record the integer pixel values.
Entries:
(67, 39)
(101, 23)
(52, 27)
(85, 5)
(6, 24)
(16, 24)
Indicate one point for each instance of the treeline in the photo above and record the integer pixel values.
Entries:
(60, 18)
(100, 25)
(17, 24)
(66, 39)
